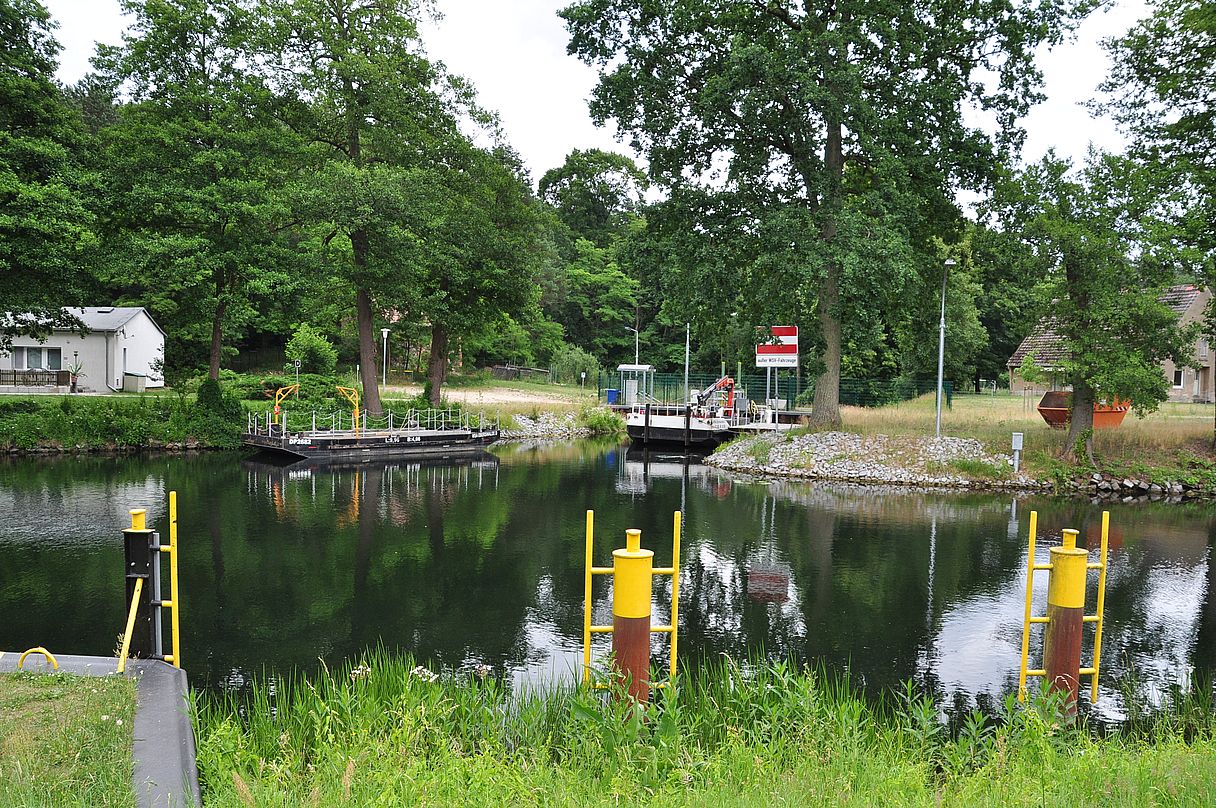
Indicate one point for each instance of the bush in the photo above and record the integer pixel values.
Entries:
(571, 361)
(601, 421)
(315, 353)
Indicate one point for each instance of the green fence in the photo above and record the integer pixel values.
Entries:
(669, 388)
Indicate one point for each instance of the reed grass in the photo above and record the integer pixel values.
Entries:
(385, 732)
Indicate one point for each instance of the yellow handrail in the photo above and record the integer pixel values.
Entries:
(126, 639)
(587, 600)
(671, 629)
(1026, 618)
(38, 650)
(172, 604)
(1093, 686)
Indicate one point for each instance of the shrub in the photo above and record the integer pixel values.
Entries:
(569, 362)
(315, 352)
(601, 421)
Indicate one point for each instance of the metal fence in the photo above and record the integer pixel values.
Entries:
(297, 420)
(795, 390)
(35, 378)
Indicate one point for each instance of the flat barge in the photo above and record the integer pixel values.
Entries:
(416, 433)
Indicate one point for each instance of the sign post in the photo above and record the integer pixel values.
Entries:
(778, 348)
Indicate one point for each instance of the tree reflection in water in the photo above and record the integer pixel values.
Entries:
(479, 561)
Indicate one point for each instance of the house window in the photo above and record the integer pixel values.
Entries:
(28, 358)
(1203, 349)
(1178, 378)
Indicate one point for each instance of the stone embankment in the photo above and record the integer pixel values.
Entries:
(1106, 488)
(877, 459)
(547, 425)
(927, 463)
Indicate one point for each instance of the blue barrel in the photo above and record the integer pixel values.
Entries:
(612, 395)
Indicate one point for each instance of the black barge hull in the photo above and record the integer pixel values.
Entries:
(673, 437)
(347, 447)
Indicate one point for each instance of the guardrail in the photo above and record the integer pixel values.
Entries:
(390, 421)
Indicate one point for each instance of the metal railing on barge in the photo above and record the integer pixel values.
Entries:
(265, 425)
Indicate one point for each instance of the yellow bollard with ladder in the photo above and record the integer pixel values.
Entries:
(632, 574)
(1065, 619)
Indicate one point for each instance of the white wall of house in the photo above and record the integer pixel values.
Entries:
(139, 347)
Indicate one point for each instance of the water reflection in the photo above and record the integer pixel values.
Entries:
(479, 562)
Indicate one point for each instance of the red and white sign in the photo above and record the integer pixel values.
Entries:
(781, 351)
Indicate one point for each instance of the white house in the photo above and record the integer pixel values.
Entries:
(123, 347)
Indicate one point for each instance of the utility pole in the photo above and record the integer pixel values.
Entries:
(941, 344)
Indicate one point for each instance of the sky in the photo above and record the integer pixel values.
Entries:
(514, 52)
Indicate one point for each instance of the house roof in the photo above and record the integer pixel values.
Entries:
(1048, 346)
(1180, 298)
(108, 318)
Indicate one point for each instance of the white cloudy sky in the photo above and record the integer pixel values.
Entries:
(514, 51)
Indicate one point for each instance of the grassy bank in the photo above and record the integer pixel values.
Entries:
(72, 423)
(65, 740)
(385, 732)
(1172, 444)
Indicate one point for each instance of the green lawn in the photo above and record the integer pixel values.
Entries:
(65, 740)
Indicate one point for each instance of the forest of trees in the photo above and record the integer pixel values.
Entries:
(245, 168)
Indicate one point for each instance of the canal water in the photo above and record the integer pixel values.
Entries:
(481, 564)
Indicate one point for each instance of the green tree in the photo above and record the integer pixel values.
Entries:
(1088, 232)
(844, 124)
(1162, 90)
(195, 167)
(45, 226)
(595, 192)
(482, 238)
(600, 303)
(356, 85)
(313, 350)
(965, 336)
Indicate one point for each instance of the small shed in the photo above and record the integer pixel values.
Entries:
(637, 383)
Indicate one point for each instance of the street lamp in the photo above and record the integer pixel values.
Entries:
(636, 337)
(384, 374)
(941, 343)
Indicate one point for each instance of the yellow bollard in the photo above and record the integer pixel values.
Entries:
(1065, 618)
(632, 574)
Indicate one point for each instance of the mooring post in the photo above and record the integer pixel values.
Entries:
(137, 554)
(687, 426)
(646, 428)
(632, 573)
(1065, 619)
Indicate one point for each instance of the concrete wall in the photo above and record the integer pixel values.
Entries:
(144, 345)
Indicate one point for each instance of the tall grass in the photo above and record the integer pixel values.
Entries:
(384, 732)
(1173, 443)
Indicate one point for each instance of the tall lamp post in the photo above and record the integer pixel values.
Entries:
(635, 343)
(384, 358)
(941, 343)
